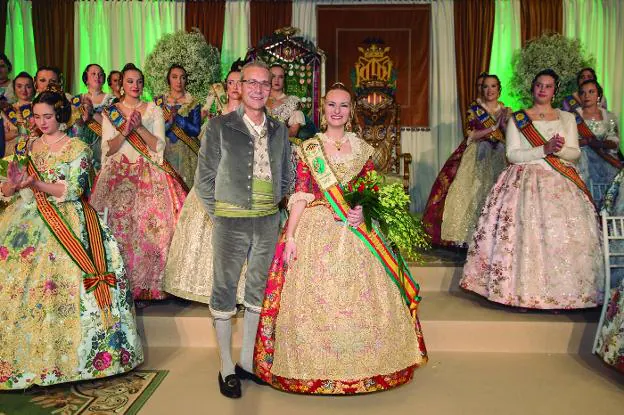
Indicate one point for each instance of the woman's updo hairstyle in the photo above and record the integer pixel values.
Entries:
(548, 72)
(592, 82)
(85, 73)
(491, 75)
(55, 97)
(580, 73)
(6, 61)
(24, 75)
(338, 86)
(130, 67)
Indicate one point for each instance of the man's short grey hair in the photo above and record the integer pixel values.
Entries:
(256, 64)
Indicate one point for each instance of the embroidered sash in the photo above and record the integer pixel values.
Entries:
(585, 132)
(571, 102)
(91, 260)
(10, 113)
(220, 95)
(190, 142)
(395, 266)
(485, 121)
(117, 119)
(526, 127)
(91, 124)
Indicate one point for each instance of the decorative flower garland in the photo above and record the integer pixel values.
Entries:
(201, 61)
(564, 55)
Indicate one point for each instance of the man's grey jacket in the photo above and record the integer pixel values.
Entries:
(225, 163)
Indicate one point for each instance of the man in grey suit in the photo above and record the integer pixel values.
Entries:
(243, 173)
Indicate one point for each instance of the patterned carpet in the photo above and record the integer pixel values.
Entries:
(123, 394)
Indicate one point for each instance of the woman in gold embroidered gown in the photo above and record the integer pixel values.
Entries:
(188, 273)
(333, 321)
(54, 330)
(482, 162)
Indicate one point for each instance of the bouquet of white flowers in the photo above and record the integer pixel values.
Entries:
(201, 61)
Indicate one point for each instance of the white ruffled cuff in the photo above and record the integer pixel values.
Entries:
(295, 197)
(297, 117)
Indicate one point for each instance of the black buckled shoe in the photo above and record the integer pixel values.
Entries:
(243, 374)
(230, 386)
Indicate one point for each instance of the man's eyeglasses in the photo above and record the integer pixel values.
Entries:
(252, 83)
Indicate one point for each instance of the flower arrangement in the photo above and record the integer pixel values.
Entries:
(564, 55)
(388, 205)
(201, 61)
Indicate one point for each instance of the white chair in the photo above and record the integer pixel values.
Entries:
(598, 190)
(612, 231)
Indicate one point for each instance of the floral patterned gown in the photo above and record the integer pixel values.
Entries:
(51, 329)
(478, 170)
(143, 202)
(610, 346)
(459, 191)
(333, 322)
(593, 168)
(537, 243)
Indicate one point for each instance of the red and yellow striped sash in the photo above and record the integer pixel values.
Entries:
(94, 126)
(526, 127)
(91, 260)
(190, 142)
(486, 121)
(135, 140)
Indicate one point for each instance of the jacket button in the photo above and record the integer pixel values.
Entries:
(250, 153)
(248, 187)
(249, 164)
(249, 177)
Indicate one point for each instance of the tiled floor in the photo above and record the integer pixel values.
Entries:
(451, 384)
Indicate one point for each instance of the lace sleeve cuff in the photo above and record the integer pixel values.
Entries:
(308, 197)
(297, 117)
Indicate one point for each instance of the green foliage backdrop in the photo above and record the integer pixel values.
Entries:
(564, 55)
(201, 61)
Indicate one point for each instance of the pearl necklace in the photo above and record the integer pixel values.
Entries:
(131, 107)
(51, 144)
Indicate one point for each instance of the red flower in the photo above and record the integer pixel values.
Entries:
(361, 188)
(376, 188)
(4, 253)
(102, 360)
(27, 252)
